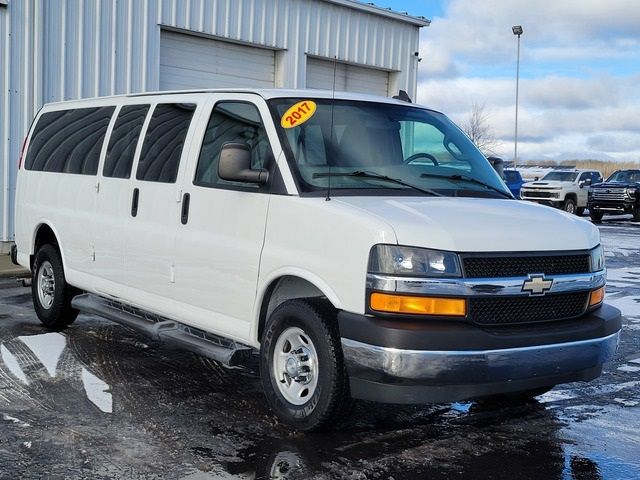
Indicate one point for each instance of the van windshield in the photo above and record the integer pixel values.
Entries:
(353, 144)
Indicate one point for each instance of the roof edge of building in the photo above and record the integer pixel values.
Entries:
(381, 11)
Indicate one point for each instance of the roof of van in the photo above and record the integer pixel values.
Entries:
(267, 94)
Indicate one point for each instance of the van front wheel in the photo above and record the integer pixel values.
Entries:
(50, 292)
(301, 366)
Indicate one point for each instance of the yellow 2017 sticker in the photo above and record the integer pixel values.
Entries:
(298, 114)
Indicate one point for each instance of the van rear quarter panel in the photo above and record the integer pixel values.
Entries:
(65, 202)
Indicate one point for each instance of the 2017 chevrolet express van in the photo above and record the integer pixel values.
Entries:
(362, 246)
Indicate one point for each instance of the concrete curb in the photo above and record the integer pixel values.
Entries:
(15, 274)
(9, 270)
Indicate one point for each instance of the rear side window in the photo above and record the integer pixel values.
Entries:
(123, 141)
(69, 141)
(163, 143)
(232, 122)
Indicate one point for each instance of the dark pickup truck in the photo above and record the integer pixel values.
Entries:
(618, 195)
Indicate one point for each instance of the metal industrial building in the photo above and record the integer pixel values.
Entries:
(53, 50)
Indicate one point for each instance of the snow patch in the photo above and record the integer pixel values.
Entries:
(629, 368)
(17, 421)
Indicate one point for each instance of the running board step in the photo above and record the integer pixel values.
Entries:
(223, 350)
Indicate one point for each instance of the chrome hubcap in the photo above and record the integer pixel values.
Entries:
(295, 366)
(46, 284)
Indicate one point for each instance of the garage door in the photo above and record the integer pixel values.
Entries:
(349, 78)
(190, 62)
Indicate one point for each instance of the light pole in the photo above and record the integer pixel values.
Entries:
(517, 30)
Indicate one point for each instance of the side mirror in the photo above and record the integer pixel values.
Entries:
(235, 165)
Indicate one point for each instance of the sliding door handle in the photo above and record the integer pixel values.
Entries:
(184, 217)
(134, 202)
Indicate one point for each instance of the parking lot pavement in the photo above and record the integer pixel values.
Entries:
(99, 401)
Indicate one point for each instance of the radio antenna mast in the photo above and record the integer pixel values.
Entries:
(333, 103)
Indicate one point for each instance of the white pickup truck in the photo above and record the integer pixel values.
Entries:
(359, 247)
(565, 189)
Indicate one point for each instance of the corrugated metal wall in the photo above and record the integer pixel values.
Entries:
(56, 50)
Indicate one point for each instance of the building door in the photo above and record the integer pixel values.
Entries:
(349, 78)
(192, 62)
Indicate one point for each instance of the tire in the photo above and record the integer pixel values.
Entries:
(569, 206)
(306, 394)
(636, 214)
(596, 217)
(580, 211)
(49, 290)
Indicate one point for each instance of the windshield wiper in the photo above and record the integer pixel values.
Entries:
(377, 176)
(465, 178)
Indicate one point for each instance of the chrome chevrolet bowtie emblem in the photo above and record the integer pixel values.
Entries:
(536, 285)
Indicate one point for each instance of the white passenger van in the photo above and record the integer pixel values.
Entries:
(362, 246)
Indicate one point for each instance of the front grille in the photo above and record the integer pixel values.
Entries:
(519, 310)
(520, 266)
(539, 194)
(615, 194)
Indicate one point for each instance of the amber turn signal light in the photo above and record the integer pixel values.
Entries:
(383, 302)
(597, 296)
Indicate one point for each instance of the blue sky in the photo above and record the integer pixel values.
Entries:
(580, 71)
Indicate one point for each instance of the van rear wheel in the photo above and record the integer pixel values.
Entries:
(50, 292)
(301, 366)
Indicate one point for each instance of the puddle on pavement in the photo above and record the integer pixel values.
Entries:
(40, 359)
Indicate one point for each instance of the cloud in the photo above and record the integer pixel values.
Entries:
(553, 31)
(614, 142)
(579, 94)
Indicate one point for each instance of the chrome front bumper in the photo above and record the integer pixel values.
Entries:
(451, 367)
(404, 361)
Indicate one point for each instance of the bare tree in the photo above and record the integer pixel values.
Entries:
(479, 131)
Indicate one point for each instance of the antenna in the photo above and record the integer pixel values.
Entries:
(333, 104)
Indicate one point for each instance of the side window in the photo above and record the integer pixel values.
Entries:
(584, 176)
(69, 141)
(232, 122)
(163, 142)
(123, 141)
(596, 177)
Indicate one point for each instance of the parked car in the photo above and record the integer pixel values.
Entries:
(620, 194)
(514, 181)
(565, 189)
(359, 247)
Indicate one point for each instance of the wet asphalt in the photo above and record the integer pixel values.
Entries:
(100, 401)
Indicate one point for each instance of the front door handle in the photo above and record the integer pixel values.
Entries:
(134, 202)
(184, 218)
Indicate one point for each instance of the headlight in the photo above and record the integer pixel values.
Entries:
(597, 259)
(631, 192)
(397, 260)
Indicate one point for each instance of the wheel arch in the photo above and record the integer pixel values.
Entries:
(45, 233)
(288, 286)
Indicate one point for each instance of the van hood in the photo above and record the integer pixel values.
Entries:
(478, 224)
